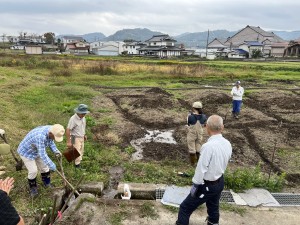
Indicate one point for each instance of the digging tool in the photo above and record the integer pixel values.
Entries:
(68, 183)
(59, 159)
(70, 196)
(19, 163)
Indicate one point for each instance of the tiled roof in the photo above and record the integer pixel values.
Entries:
(253, 43)
(162, 37)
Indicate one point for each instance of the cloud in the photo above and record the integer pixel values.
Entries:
(167, 16)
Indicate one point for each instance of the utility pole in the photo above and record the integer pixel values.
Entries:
(207, 41)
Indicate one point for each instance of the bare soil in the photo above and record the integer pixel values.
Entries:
(269, 123)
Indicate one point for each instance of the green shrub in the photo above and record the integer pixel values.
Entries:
(247, 178)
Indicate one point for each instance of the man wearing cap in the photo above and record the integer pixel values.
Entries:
(75, 131)
(237, 94)
(195, 121)
(32, 151)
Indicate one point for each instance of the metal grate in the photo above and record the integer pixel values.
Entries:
(226, 196)
(286, 199)
(159, 193)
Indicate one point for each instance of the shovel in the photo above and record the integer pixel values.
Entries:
(19, 163)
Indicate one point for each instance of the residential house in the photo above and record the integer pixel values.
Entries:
(293, 49)
(131, 47)
(79, 48)
(109, 48)
(162, 46)
(251, 47)
(237, 54)
(70, 39)
(251, 33)
(277, 49)
(33, 49)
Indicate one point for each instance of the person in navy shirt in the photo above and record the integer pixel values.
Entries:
(196, 121)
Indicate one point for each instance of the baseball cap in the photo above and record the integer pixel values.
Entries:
(197, 105)
(238, 82)
(58, 131)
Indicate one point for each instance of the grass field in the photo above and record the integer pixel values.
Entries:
(40, 90)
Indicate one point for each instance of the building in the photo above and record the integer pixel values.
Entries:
(79, 48)
(131, 47)
(277, 49)
(251, 34)
(162, 46)
(293, 49)
(70, 39)
(109, 48)
(33, 49)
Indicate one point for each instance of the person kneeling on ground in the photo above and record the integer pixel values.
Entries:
(32, 151)
(196, 121)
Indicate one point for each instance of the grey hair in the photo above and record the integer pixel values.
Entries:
(215, 123)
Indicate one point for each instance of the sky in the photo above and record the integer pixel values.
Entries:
(172, 17)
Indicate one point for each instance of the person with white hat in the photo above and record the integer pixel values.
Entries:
(32, 151)
(75, 131)
(237, 95)
(195, 121)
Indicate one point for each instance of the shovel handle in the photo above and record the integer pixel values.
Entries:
(68, 183)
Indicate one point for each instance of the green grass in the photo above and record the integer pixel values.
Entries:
(34, 93)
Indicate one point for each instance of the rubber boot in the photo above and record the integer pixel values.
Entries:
(193, 159)
(46, 179)
(198, 156)
(33, 187)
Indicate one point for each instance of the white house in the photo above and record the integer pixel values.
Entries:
(109, 48)
(79, 48)
(162, 46)
(70, 39)
(251, 46)
(33, 49)
(131, 48)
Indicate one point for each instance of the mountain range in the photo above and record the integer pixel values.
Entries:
(197, 39)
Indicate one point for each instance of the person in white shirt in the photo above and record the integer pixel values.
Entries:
(237, 95)
(75, 131)
(208, 181)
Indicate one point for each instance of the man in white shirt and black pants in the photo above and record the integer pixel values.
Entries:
(237, 95)
(208, 181)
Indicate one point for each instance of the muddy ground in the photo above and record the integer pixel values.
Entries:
(269, 123)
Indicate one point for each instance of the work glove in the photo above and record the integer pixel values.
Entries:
(196, 190)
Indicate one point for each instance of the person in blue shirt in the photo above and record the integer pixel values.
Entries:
(196, 121)
(32, 151)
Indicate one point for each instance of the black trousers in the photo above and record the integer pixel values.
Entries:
(207, 193)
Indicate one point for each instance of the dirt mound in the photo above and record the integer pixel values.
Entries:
(158, 91)
(164, 151)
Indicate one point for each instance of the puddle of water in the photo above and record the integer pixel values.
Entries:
(151, 136)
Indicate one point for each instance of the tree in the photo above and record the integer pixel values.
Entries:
(256, 53)
(50, 37)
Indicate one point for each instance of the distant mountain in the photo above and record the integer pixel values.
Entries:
(200, 38)
(288, 35)
(90, 37)
(137, 34)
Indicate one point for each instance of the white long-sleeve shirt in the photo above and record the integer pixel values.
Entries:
(237, 93)
(215, 154)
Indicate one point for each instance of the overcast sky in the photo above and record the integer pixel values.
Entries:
(172, 17)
